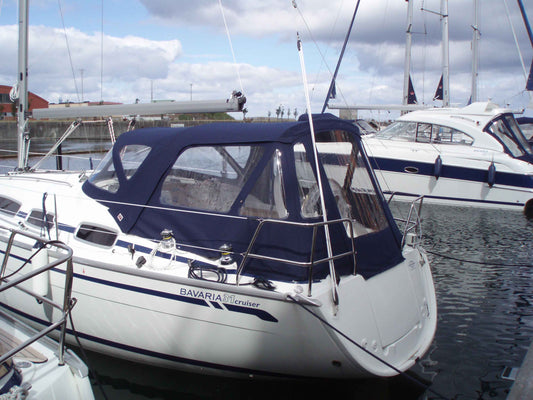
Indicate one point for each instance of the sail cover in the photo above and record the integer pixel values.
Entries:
(213, 184)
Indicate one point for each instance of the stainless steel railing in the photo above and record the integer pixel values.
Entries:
(412, 226)
(248, 254)
(63, 255)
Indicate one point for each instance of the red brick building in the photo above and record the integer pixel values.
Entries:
(6, 105)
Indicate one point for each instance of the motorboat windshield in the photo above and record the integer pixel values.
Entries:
(507, 131)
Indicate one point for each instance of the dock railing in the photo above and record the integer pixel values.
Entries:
(62, 255)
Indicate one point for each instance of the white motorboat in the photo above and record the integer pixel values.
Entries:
(32, 364)
(471, 156)
(204, 249)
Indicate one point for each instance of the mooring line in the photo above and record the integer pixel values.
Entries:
(412, 379)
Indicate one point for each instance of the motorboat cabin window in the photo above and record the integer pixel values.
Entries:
(504, 133)
(209, 177)
(38, 219)
(424, 133)
(96, 235)
(404, 131)
(447, 135)
(349, 180)
(8, 206)
(267, 198)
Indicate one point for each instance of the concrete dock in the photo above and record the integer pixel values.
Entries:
(522, 388)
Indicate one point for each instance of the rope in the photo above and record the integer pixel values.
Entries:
(15, 393)
(412, 379)
(85, 358)
(478, 262)
(231, 45)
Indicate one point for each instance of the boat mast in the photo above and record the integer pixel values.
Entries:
(445, 54)
(332, 84)
(475, 54)
(529, 83)
(22, 84)
(408, 40)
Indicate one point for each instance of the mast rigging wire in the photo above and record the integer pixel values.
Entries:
(68, 49)
(230, 44)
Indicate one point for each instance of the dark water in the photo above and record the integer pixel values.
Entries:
(485, 324)
(482, 263)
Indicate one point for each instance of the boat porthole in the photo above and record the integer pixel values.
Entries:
(411, 170)
(336, 363)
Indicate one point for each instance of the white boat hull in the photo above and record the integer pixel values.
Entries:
(407, 171)
(166, 319)
(171, 323)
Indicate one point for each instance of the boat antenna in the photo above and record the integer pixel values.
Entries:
(319, 179)
(332, 89)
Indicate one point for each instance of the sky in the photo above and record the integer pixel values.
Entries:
(124, 50)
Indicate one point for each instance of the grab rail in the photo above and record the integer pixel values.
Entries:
(413, 221)
(306, 264)
(64, 255)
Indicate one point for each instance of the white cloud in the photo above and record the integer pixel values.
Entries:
(264, 35)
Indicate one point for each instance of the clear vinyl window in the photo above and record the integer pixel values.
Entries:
(267, 198)
(349, 180)
(209, 177)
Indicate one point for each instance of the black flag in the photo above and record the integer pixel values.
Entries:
(529, 85)
(438, 92)
(333, 93)
(411, 96)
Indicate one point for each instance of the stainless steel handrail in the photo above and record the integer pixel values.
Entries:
(64, 255)
(305, 264)
(413, 220)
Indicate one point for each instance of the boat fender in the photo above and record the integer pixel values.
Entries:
(491, 177)
(41, 282)
(528, 209)
(437, 167)
(140, 262)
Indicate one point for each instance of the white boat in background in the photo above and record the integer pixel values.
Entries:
(33, 365)
(471, 156)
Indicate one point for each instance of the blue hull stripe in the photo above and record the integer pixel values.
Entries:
(261, 314)
(150, 353)
(452, 172)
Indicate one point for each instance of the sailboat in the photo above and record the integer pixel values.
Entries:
(207, 249)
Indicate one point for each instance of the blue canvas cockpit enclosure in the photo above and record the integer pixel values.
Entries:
(211, 185)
